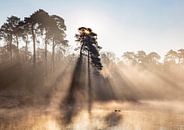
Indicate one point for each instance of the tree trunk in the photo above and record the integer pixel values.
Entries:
(53, 53)
(46, 57)
(11, 54)
(26, 49)
(17, 40)
(34, 46)
(89, 86)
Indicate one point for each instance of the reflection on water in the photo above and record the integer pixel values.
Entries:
(104, 116)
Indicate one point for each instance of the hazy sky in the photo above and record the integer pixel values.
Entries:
(121, 25)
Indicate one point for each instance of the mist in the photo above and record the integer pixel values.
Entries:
(85, 88)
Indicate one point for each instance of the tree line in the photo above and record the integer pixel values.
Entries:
(42, 29)
(172, 57)
(39, 28)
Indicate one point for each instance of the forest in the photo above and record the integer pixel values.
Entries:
(39, 73)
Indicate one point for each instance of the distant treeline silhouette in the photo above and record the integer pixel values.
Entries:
(172, 57)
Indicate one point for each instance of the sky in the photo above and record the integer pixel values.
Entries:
(121, 25)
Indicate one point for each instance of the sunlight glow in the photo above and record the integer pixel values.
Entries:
(98, 21)
(92, 20)
(52, 125)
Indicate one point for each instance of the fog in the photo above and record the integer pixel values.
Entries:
(128, 97)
